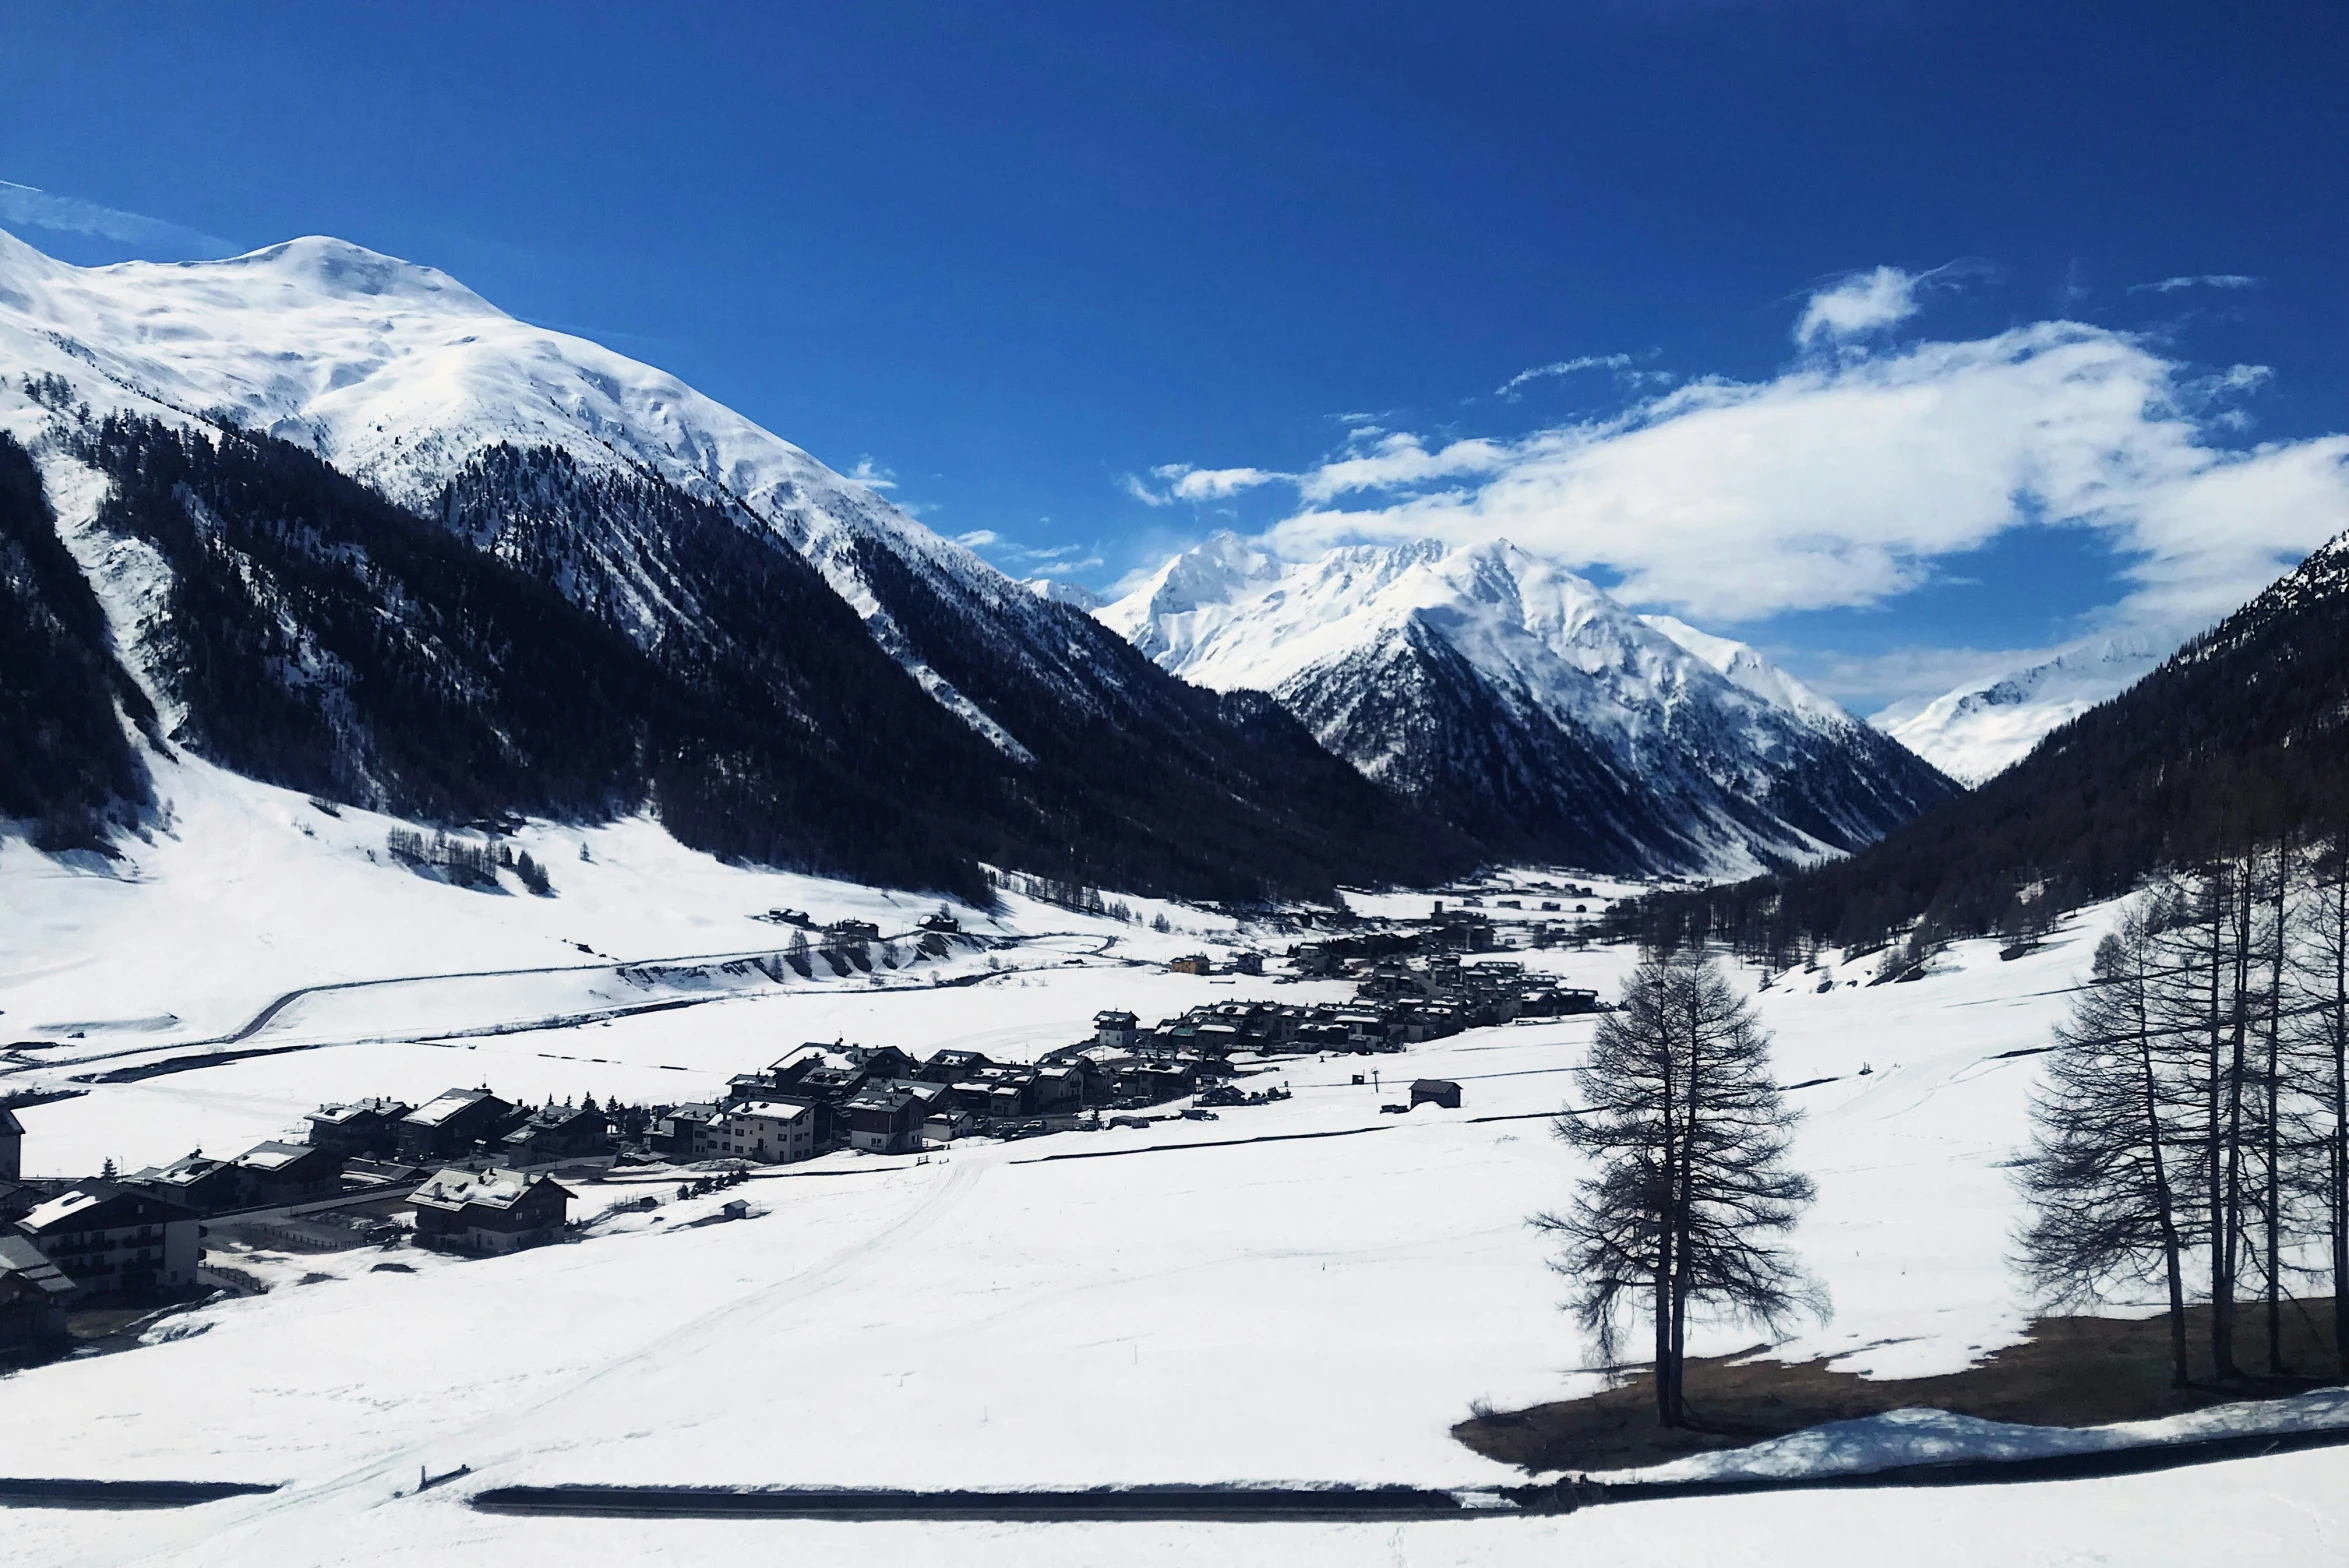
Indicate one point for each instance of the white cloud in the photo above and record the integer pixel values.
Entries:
(1862, 303)
(872, 475)
(977, 538)
(1399, 460)
(1563, 367)
(1844, 483)
(1214, 484)
(1185, 483)
(27, 206)
(1132, 485)
(2207, 280)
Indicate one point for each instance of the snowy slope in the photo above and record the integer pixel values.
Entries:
(1985, 727)
(612, 482)
(1745, 668)
(1315, 1309)
(1623, 741)
(399, 375)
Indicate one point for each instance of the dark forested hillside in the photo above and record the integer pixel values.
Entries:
(64, 758)
(2239, 739)
(578, 645)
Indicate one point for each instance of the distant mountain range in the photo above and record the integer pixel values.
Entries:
(334, 521)
(2238, 739)
(1986, 726)
(1521, 704)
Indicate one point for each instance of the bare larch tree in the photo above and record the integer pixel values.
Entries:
(1687, 1138)
(2113, 1130)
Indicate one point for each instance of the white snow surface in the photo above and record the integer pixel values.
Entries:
(1308, 1309)
(1983, 728)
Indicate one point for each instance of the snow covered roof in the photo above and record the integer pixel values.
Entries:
(88, 1197)
(445, 1105)
(23, 1260)
(775, 1110)
(336, 1115)
(8, 1122)
(495, 1188)
(182, 1172)
(273, 1156)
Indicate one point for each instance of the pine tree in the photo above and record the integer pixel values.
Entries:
(1687, 1135)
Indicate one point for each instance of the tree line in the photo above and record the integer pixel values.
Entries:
(2192, 1132)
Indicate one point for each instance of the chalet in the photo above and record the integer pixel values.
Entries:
(941, 921)
(946, 1123)
(491, 1211)
(557, 1132)
(950, 1066)
(451, 1124)
(1152, 1082)
(687, 1132)
(853, 931)
(772, 1132)
(271, 1173)
(886, 1115)
(195, 1182)
(11, 1146)
(113, 1239)
(1435, 1091)
(1191, 964)
(1117, 1030)
(33, 1294)
(361, 1130)
(1248, 963)
(1060, 1089)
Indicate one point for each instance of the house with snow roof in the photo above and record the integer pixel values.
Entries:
(451, 1123)
(557, 1132)
(33, 1296)
(490, 1211)
(771, 1132)
(363, 1129)
(112, 1239)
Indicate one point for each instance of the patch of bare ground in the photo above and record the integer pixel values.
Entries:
(2070, 1372)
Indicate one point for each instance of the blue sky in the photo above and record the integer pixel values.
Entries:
(1039, 263)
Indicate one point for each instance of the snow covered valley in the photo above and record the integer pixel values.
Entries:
(1308, 1291)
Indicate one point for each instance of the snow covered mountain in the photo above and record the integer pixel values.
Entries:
(966, 718)
(1519, 702)
(1987, 726)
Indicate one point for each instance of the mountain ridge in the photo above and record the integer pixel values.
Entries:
(590, 473)
(1619, 744)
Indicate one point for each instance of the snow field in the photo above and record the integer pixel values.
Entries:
(1313, 1308)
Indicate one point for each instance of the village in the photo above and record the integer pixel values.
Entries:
(468, 1172)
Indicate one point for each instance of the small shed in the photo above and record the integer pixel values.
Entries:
(1435, 1091)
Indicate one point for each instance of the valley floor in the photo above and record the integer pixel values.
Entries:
(1311, 1291)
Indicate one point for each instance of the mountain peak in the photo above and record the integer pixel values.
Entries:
(1508, 692)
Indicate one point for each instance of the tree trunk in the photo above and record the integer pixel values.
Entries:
(2165, 1209)
(2274, 1216)
(2222, 1294)
(2222, 1317)
(2338, 1163)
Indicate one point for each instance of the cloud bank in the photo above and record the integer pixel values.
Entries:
(1845, 480)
